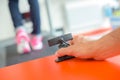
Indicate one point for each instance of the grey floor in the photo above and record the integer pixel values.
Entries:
(2, 57)
(12, 57)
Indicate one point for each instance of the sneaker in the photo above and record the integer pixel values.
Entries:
(22, 40)
(36, 42)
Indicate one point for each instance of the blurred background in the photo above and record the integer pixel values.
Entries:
(93, 18)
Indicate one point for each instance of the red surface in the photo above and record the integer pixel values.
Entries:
(97, 31)
(75, 69)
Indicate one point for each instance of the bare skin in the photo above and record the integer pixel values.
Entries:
(106, 47)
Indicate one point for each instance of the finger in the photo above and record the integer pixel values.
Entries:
(71, 42)
(77, 39)
(64, 51)
(81, 37)
(74, 35)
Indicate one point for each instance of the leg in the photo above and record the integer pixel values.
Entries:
(15, 13)
(36, 38)
(22, 37)
(35, 16)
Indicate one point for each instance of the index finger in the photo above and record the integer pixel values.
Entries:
(64, 51)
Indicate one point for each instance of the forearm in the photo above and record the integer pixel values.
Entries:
(108, 45)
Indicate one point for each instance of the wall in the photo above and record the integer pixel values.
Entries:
(6, 26)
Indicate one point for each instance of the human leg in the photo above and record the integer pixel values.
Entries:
(36, 38)
(22, 38)
(35, 16)
(15, 13)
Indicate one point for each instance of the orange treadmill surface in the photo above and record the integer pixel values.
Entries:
(74, 69)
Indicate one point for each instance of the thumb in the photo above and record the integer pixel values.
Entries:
(64, 51)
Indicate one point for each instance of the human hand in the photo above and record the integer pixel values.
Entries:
(79, 47)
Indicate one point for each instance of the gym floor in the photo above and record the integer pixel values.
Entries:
(14, 58)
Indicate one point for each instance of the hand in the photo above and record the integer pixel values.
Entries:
(103, 48)
(79, 47)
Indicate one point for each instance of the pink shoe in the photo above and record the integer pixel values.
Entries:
(36, 42)
(22, 40)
